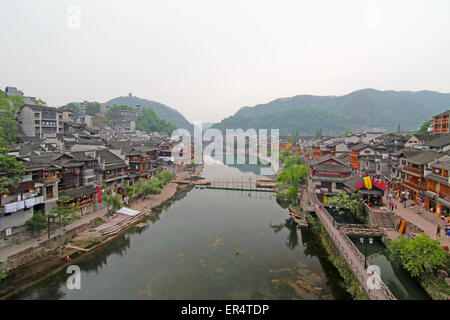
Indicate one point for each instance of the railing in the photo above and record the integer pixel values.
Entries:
(350, 252)
(115, 176)
(417, 187)
(50, 178)
(417, 171)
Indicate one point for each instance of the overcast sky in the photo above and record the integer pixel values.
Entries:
(208, 58)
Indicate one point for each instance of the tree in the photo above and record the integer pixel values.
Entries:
(347, 133)
(92, 108)
(74, 108)
(9, 106)
(149, 187)
(113, 203)
(129, 190)
(414, 254)
(11, 171)
(292, 177)
(148, 121)
(65, 211)
(8, 129)
(291, 160)
(424, 128)
(344, 201)
(164, 176)
(37, 222)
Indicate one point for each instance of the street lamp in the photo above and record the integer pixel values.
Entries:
(366, 240)
(50, 218)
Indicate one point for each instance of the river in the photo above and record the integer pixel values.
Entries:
(206, 244)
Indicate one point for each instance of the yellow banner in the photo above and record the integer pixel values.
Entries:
(368, 182)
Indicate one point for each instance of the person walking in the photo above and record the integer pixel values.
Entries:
(438, 230)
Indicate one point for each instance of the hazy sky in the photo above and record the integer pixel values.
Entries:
(208, 58)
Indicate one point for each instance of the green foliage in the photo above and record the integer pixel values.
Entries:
(41, 102)
(293, 175)
(74, 108)
(2, 274)
(129, 190)
(148, 121)
(414, 254)
(113, 112)
(92, 108)
(65, 211)
(37, 222)
(11, 171)
(291, 160)
(164, 176)
(114, 203)
(355, 111)
(162, 112)
(149, 187)
(424, 128)
(9, 106)
(347, 133)
(8, 130)
(344, 201)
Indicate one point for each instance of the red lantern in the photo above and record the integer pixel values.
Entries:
(356, 186)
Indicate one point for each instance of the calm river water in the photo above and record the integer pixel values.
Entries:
(206, 244)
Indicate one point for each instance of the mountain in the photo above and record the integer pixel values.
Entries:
(162, 111)
(360, 110)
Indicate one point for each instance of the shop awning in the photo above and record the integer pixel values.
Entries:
(443, 202)
(430, 194)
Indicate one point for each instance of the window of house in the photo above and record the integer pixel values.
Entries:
(36, 115)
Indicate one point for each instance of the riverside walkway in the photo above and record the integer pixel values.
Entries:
(350, 252)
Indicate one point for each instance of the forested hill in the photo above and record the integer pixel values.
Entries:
(359, 110)
(162, 111)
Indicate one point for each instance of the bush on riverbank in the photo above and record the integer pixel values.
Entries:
(37, 222)
(418, 254)
(351, 283)
(343, 201)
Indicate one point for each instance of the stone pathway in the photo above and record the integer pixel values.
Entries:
(413, 216)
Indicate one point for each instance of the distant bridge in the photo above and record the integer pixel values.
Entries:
(264, 185)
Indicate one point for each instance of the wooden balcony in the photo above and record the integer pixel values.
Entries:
(413, 186)
(50, 178)
(413, 171)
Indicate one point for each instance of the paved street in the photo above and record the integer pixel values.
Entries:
(412, 216)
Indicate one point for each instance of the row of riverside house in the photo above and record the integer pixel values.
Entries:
(64, 156)
(414, 166)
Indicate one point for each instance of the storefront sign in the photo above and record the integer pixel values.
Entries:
(368, 182)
